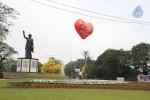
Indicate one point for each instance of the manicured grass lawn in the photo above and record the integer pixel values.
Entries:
(36, 75)
(39, 75)
(68, 94)
(72, 94)
(3, 83)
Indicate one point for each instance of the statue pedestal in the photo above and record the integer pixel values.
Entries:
(27, 65)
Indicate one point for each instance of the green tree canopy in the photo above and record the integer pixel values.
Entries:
(70, 67)
(141, 58)
(113, 63)
(6, 53)
(79, 63)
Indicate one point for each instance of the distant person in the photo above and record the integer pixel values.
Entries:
(29, 46)
(80, 74)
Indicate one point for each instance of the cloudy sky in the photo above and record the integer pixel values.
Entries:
(54, 33)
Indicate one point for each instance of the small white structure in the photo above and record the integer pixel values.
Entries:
(77, 70)
(27, 65)
(143, 78)
(120, 79)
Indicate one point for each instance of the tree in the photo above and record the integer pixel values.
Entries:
(108, 64)
(84, 69)
(79, 64)
(39, 67)
(113, 63)
(124, 67)
(10, 65)
(90, 68)
(13, 68)
(5, 13)
(6, 53)
(51, 67)
(3, 33)
(69, 68)
(141, 58)
(5, 50)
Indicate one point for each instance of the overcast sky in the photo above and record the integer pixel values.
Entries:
(55, 36)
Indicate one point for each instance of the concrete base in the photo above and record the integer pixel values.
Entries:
(27, 65)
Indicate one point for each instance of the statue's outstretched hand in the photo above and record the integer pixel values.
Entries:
(23, 32)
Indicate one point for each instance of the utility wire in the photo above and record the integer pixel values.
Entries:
(90, 15)
(95, 12)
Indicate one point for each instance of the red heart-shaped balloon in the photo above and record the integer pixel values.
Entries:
(83, 29)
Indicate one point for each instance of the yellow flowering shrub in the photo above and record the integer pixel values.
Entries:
(51, 67)
(83, 70)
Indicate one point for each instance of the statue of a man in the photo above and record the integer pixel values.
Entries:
(29, 46)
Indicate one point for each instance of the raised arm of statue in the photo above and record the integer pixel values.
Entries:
(24, 34)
